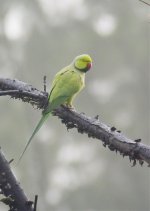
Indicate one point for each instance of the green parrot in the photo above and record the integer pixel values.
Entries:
(67, 83)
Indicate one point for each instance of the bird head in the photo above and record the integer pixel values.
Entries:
(83, 63)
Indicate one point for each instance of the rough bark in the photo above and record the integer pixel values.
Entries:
(93, 127)
(15, 198)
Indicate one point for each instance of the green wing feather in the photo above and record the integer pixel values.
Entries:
(66, 84)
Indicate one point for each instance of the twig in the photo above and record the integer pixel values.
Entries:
(35, 202)
(10, 92)
(144, 2)
(44, 80)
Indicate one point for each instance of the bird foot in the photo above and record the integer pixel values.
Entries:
(70, 107)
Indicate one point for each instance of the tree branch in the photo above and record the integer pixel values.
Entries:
(14, 195)
(144, 2)
(93, 127)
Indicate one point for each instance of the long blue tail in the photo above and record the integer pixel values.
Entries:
(39, 125)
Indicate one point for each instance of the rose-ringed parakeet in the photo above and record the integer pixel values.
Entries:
(67, 83)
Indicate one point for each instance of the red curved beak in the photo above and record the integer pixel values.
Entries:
(89, 65)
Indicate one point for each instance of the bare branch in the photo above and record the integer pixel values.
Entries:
(14, 195)
(25, 92)
(93, 127)
(144, 2)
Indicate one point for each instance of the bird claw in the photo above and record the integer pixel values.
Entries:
(69, 106)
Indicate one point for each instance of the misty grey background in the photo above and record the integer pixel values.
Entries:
(69, 171)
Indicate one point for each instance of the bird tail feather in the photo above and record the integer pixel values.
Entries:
(37, 128)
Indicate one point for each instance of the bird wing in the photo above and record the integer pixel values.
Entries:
(66, 83)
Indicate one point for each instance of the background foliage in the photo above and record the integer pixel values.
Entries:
(67, 170)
